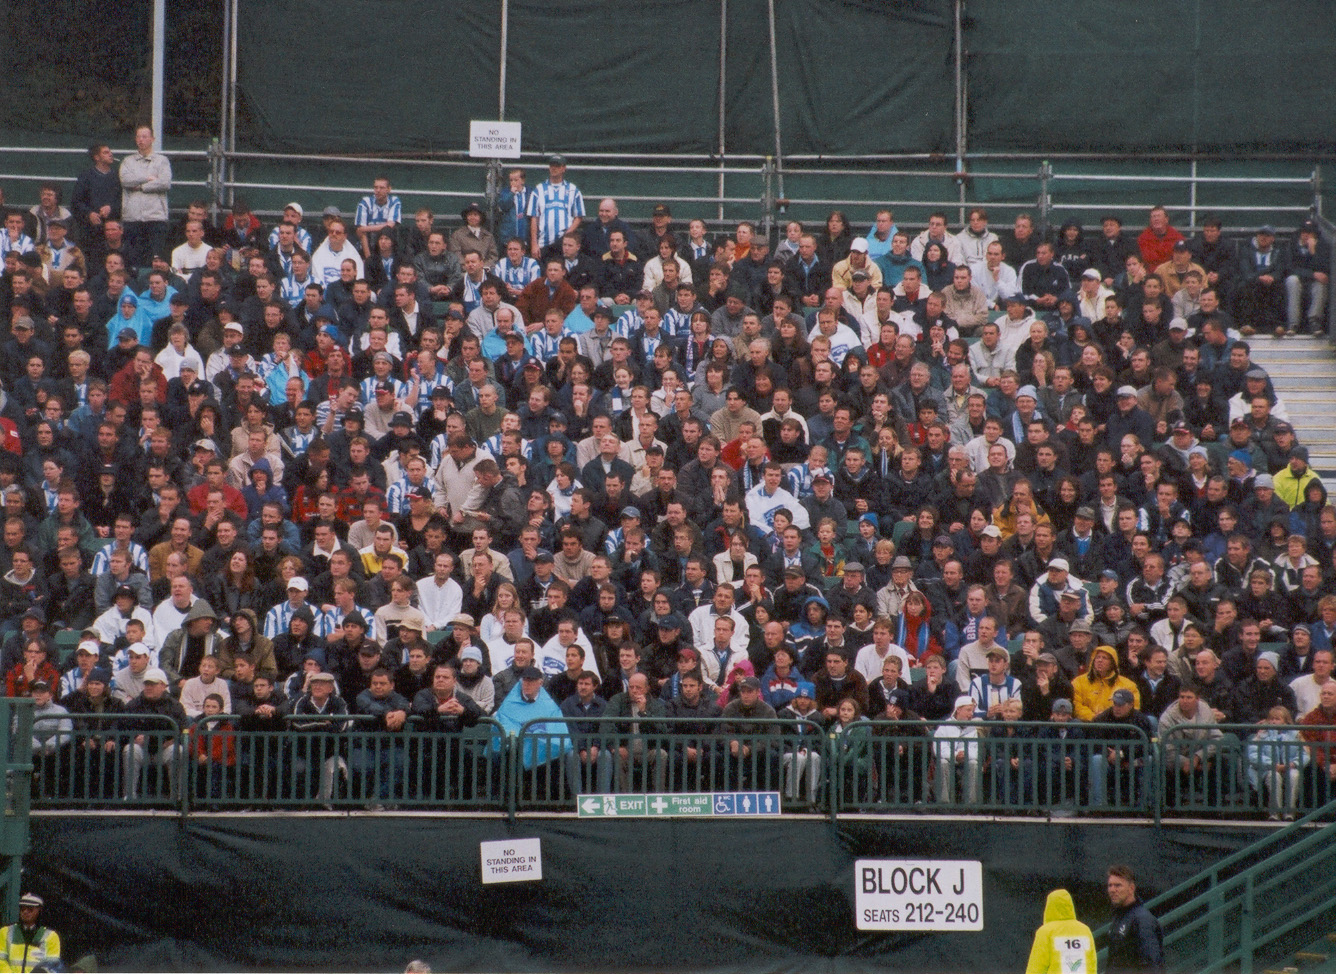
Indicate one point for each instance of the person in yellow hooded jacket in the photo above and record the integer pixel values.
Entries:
(1063, 944)
(1092, 691)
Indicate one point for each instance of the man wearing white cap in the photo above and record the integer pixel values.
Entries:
(1130, 418)
(152, 741)
(276, 619)
(292, 217)
(957, 747)
(130, 666)
(1046, 592)
(842, 274)
(29, 945)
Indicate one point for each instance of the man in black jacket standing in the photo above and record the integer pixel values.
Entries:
(1136, 942)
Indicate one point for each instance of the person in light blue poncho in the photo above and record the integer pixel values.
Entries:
(129, 315)
(542, 744)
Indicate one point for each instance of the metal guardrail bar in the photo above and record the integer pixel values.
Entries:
(1006, 767)
(1229, 180)
(870, 767)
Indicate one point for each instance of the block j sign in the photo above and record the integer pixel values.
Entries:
(918, 894)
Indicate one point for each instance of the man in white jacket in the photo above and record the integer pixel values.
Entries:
(146, 178)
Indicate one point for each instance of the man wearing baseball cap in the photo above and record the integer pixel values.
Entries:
(150, 742)
(1125, 763)
(29, 945)
(321, 702)
(1129, 418)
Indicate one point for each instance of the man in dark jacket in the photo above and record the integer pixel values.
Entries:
(640, 733)
(153, 740)
(447, 711)
(1136, 942)
(582, 710)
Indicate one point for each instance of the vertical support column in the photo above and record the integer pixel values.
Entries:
(159, 59)
(226, 94)
(723, 99)
(1045, 174)
(229, 167)
(1192, 196)
(1246, 925)
(960, 106)
(505, 45)
(768, 195)
(774, 100)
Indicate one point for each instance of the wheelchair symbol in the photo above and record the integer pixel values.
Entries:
(723, 804)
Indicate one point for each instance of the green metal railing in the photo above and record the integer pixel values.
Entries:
(16, 737)
(556, 761)
(1241, 767)
(339, 761)
(996, 767)
(1252, 900)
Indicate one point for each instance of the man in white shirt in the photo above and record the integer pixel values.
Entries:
(331, 254)
(997, 279)
(988, 357)
(702, 619)
(974, 239)
(936, 233)
(190, 255)
(767, 497)
(1308, 688)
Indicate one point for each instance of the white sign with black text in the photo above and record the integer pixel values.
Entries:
(512, 861)
(918, 894)
(494, 140)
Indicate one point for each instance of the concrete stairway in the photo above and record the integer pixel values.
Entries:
(1303, 370)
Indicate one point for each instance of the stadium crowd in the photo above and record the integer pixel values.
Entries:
(406, 468)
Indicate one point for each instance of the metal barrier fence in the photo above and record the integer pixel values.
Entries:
(984, 767)
(997, 767)
(1244, 192)
(558, 760)
(322, 760)
(1244, 767)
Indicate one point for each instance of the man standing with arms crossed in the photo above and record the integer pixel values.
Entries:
(146, 177)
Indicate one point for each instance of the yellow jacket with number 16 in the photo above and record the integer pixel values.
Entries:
(1063, 944)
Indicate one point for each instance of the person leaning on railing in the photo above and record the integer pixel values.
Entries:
(1190, 740)
(753, 748)
(148, 744)
(1320, 734)
(445, 712)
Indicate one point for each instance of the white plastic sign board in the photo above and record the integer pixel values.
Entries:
(512, 861)
(918, 894)
(494, 140)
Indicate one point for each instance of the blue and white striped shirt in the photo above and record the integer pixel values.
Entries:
(276, 619)
(328, 625)
(545, 344)
(430, 383)
(102, 560)
(301, 442)
(527, 272)
(677, 323)
(369, 211)
(366, 392)
(396, 498)
(23, 245)
(630, 322)
(493, 446)
(293, 291)
(556, 206)
(303, 239)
